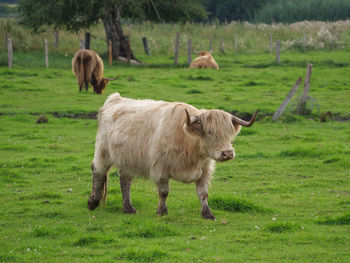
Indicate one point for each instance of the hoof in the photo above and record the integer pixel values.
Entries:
(92, 204)
(129, 210)
(162, 211)
(206, 214)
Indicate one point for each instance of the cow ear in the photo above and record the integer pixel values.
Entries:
(193, 125)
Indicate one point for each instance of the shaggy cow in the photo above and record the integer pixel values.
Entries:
(87, 66)
(204, 60)
(161, 141)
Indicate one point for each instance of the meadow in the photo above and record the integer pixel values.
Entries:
(285, 197)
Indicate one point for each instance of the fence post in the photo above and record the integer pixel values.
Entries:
(284, 104)
(210, 42)
(145, 45)
(110, 52)
(81, 43)
(301, 107)
(236, 44)
(56, 38)
(189, 51)
(87, 40)
(270, 43)
(10, 52)
(278, 51)
(46, 53)
(222, 45)
(177, 46)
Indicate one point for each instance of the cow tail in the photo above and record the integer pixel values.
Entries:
(81, 75)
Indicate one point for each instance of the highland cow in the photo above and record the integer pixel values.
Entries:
(160, 141)
(204, 60)
(87, 66)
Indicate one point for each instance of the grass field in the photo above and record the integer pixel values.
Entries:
(285, 198)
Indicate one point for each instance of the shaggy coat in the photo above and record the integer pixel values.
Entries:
(204, 60)
(161, 141)
(87, 66)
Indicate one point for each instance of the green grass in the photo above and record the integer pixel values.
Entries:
(285, 198)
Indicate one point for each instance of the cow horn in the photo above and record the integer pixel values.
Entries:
(196, 52)
(112, 78)
(210, 51)
(188, 118)
(244, 123)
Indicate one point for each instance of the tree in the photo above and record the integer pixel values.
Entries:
(237, 10)
(75, 15)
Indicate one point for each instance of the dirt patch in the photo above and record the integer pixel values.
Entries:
(71, 115)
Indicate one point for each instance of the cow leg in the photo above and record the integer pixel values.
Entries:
(163, 191)
(80, 87)
(202, 192)
(86, 85)
(125, 185)
(99, 167)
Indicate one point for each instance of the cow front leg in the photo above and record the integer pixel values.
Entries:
(99, 186)
(202, 192)
(163, 191)
(125, 186)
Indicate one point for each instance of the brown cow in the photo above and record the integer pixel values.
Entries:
(161, 141)
(87, 66)
(204, 60)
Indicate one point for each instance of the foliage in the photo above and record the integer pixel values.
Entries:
(236, 10)
(289, 11)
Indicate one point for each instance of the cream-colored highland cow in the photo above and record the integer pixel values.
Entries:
(87, 66)
(204, 60)
(161, 141)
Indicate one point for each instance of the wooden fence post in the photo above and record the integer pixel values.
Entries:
(284, 104)
(46, 53)
(189, 51)
(236, 44)
(87, 40)
(210, 42)
(270, 43)
(145, 45)
(81, 43)
(301, 107)
(222, 45)
(56, 38)
(10, 52)
(278, 51)
(177, 46)
(110, 52)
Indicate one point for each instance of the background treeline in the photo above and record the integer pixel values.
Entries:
(267, 11)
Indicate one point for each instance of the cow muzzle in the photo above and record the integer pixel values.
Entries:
(226, 155)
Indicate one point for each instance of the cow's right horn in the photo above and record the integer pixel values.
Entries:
(196, 52)
(243, 122)
(112, 78)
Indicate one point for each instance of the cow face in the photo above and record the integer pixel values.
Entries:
(100, 86)
(216, 131)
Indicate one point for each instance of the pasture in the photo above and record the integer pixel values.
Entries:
(286, 196)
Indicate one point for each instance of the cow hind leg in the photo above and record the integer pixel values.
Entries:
(163, 191)
(86, 85)
(125, 186)
(99, 182)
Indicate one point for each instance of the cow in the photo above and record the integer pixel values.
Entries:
(160, 140)
(204, 60)
(87, 66)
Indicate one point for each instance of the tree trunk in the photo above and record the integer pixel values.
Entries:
(114, 33)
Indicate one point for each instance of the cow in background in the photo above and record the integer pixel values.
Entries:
(204, 60)
(87, 66)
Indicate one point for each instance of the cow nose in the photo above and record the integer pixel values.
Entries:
(226, 155)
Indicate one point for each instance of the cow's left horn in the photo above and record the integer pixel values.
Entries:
(188, 118)
(112, 78)
(244, 123)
